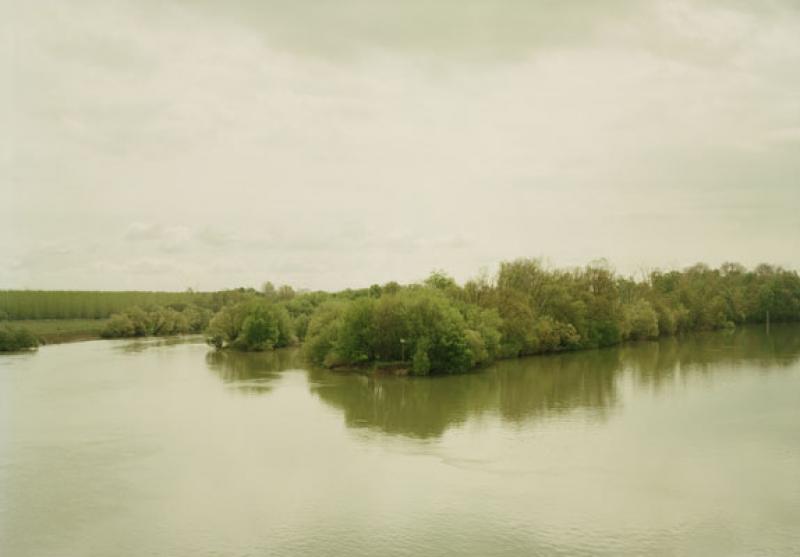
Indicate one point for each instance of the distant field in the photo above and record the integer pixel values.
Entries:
(87, 305)
(52, 331)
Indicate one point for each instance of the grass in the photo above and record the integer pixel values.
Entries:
(53, 331)
(86, 304)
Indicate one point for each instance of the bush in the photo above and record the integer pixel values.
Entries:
(119, 326)
(554, 335)
(252, 325)
(421, 364)
(259, 331)
(157, 321)
(641, 321)
(667, 322)
(13, 339)
(477, 348)
(421, 323)
(605, 333)
(323, 330)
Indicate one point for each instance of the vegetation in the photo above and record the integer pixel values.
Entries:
(63, 316)
(421, 324)
(50, 331)
(15, 339)
(177, 319)
(65, 304)
(518, 391)
(439, 326)
(255, 324)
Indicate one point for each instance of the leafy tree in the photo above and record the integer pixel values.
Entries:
(641, 321)
(421, 363)
(175, 319)
(252, 325)
(323, 331)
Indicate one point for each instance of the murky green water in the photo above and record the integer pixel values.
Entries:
(153, 448)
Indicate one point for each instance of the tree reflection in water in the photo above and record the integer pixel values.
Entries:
(517, 390)
(674, 360)
(252, 372)
(544, 386)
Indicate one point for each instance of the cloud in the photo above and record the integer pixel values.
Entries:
(168, 238)
(149, 266)
(359, 142)
(448, 28)
(139, 231)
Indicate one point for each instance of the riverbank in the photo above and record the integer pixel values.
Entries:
(57, 331)
(404, 368)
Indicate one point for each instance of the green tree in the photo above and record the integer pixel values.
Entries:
(641, 321)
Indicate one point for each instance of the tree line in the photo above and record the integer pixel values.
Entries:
(526, 308)
(439, 326)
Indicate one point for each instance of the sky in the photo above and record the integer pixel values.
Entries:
(172, 144)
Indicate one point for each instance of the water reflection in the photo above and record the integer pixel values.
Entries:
(141, 344)
(662, 363)
(533, 388)
(252, 373)
(516, 390)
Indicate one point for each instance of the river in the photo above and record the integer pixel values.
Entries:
(163, 447)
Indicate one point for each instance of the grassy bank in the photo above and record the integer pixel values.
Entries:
(54, 331)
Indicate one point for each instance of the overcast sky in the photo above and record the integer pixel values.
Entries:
(165, 145)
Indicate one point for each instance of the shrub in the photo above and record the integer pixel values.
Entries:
(423, 321)
(251, 325)
(119, 326)
(421, 363)
(156, 321)
(477, 348)
(641, 321)
(13, 339)
(323, 330)
(259, 331)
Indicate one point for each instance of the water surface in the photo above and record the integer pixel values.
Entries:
(678, 447)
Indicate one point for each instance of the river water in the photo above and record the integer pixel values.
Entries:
(142, 448)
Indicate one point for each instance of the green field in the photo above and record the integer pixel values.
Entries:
(52, 331)
(65, 304)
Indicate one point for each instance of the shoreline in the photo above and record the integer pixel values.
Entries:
(53, 332)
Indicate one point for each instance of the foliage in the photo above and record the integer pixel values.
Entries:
(323, 330)
(65, 304)
(251, 325)
(421, 363)
(119, 326)
(418, 323)
(157, 321)
(438, 326)
(13, 339)
(640, 321)
(49, 331)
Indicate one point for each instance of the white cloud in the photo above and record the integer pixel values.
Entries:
(213, 147)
